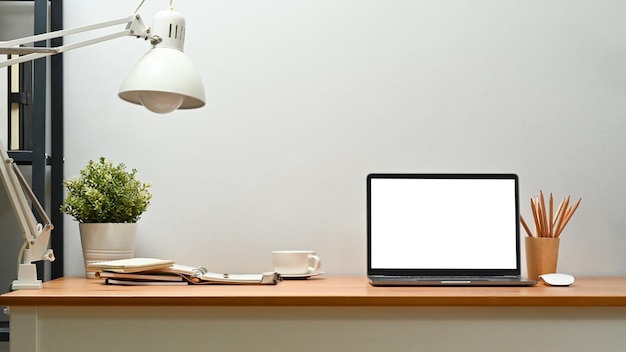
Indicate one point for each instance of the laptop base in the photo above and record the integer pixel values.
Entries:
(381, 280)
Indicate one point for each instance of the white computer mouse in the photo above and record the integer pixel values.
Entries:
(557, 279)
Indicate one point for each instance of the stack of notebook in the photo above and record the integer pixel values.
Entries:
(160, 272)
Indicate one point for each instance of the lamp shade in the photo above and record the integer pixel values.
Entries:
(164, 79)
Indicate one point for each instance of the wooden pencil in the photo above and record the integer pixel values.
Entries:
(558, 213)
(559, 226)
(535, 214)
(550, 232)
(549, 223)
(530, 234)
(568, 216)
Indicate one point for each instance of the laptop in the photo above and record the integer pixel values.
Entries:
(443, 230)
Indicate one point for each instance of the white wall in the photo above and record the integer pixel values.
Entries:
(304, 98)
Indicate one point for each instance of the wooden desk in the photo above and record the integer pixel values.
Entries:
(319, 314)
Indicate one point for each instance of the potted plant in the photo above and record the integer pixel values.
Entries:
(107, 200)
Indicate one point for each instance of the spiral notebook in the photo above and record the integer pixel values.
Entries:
(443, 230)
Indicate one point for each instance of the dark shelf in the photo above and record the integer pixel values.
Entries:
(25, 157)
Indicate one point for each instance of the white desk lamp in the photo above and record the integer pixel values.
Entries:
(163, 80)
(36, 236)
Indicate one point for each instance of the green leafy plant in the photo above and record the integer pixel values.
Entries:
(106, 193)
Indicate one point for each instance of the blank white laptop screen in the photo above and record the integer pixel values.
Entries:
(422, 223)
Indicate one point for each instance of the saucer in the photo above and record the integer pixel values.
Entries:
(300, 276)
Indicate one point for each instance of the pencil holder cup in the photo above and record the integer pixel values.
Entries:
(542, 254)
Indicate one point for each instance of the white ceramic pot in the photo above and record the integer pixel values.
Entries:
(107, 241)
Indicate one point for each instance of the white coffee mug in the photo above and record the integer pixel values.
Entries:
(295, 262)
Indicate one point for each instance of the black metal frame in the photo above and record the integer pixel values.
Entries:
(37, 156)
(36, 123)
(4, 331)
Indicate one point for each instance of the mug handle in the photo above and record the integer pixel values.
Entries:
(316, 263)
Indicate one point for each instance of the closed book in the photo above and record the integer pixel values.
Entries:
(144, 282)
(131, 265)
(145, 276)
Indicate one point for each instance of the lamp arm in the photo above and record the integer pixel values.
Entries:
(134, 27)
(36, 236)
(30, 194)
(35, 248)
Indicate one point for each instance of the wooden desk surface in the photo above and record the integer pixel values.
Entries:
(344, 291)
